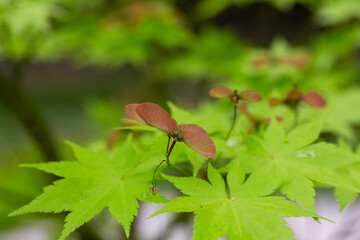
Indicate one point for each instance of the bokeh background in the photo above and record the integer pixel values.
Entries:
(68, 67)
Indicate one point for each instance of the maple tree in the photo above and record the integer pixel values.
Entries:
(243, 205)
(249, 166)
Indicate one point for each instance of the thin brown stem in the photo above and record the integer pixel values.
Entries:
(229, 133)
(217, 159)
(296, 118)
(233, 123)
(154, 178)
(168, 143)
(168, 153)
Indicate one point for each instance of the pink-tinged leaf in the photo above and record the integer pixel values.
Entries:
(221, 92)
(198, 139)
(192, 128)
(273, 102)
(314, 99)
(133, 114)
(250, 95)
(157, 117)
(244, 110)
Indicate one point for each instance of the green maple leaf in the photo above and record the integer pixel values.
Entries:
(296, 162)
(351, 172)
(97, 180)
(246, 213)
(342, 122)
(344, 196)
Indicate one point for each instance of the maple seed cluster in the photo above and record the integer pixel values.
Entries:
(192, 135)
(233, 95)
(295, 96)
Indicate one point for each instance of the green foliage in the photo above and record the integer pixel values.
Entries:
(294, 161)
(97, 180)
(105, 113)
(335, 12)
(17, 185)
(343, 195)
(212, 54)
(247, 212)
(23, 30)
(291, 162)
(342, 116)
(163, 41)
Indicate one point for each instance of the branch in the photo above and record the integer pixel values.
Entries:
(233, 123)
(16, 100)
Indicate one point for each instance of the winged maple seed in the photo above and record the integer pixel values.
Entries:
(235, 97)
(295, 96)
(224, 92)
(192, 135)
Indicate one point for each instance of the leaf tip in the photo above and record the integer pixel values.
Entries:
(14, 214)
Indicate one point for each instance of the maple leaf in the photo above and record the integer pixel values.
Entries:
(351, 172)
(342, 116)
(296, 162)
(345, 196)
(97, 180)
(246, 213)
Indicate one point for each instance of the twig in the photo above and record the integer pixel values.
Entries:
(233, 123)
(16, 100)
(168, 153)
(154, 178)
(296, 118)
(229, 133)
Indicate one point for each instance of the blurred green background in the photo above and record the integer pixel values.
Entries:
(67, 69)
